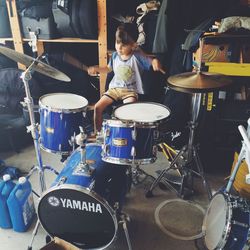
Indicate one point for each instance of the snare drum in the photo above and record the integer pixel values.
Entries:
(226, 222)
(129, 143)
(61, 114)
(72, 211)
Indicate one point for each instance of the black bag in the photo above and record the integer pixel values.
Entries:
(12, 123)
(12, 91)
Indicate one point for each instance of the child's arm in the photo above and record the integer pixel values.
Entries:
(94, 70)
(156, 64)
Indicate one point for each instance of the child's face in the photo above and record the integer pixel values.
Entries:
(124, 49)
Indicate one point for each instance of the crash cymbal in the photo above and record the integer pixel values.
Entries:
(40, 67)
(194, 82)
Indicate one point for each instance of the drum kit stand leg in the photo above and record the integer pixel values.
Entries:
(186, 157)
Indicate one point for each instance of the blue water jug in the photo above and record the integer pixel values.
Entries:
(21, 205)
(6, 186)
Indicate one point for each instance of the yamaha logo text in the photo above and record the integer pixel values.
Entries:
(76, 204)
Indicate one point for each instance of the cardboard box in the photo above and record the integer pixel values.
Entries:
(59, 244)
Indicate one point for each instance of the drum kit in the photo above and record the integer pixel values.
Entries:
(129, 138)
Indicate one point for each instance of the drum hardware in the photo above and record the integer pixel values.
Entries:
(34, 65)
(194, 83)
(122, 219)
(189, 156)
(233, 223)
(83, 166)
(138, 175)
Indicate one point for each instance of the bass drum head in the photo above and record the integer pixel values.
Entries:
(216, 221)
(78, 216)
(142, 112)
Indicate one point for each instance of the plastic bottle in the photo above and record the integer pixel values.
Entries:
(21, 205)
(6, 186)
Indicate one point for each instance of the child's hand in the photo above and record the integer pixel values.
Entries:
(157, 66)
(92, 71)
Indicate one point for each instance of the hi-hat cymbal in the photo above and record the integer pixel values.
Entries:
(195, 82)
(40, 67)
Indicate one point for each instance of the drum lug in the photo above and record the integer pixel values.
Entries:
(84, 114)
(133, 152)
(107, 132)
(156, 135)
(61, 116)
(60, 147)
(106, 149)
(134, 134)
(62, 180)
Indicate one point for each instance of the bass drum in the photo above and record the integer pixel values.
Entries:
(226, 222)
(72, 211)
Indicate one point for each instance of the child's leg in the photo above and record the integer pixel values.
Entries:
(99, 107)
(130, 99)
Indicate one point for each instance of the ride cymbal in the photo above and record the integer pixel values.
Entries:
(193, 82)
(40, 67)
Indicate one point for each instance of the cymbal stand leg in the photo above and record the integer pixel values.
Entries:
(163, 172)
(124, 226)
(201, 173)
(34, 233)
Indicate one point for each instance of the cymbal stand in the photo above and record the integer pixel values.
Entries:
(33, 129)
(185, 158)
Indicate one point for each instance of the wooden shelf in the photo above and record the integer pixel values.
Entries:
(101, 41)
(3, 40)
(64, 40)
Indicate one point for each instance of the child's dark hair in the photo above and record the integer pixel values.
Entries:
(126, 33)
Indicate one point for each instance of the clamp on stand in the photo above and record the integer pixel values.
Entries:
(83, 167)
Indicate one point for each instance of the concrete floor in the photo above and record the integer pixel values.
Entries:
(144, 229)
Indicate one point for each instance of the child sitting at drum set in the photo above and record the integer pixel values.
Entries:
(128, 63)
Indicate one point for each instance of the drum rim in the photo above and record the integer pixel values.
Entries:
(142, 122)
(123, 161)
(227, 226)
(62, 110)
(53, 151)
(83, 190)
(121, 123)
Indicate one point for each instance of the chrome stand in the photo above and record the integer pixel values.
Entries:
(33, 129)
(244, 154)
(183, 162)
(123, 221)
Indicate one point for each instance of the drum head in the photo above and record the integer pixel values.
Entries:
(78, 216)
(215, 222)
(142, 112)
(63, 101)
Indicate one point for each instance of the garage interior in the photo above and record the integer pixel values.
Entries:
(184, 182)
